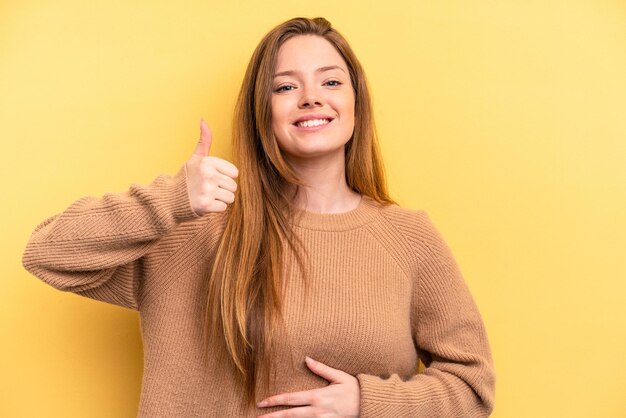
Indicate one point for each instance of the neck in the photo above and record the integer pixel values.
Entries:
(326, 190)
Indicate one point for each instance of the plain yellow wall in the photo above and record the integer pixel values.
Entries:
(505, 120)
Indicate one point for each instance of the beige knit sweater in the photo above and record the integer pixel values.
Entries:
(385, 290)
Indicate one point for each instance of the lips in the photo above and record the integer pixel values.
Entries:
(310, 119)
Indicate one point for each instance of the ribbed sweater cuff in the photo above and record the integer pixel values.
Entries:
(383, 398)
(181, 202)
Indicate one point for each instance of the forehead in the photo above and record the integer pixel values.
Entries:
(307, 52)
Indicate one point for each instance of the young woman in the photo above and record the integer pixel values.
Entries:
(288, 284)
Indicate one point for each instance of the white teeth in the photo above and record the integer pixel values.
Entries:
(313, 122)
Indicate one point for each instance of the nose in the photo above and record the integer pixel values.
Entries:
(310, 98)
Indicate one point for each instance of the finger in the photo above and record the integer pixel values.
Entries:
(224, 195)
(305, 411)
(206, 138)
(217, 206)
(327, 372)
(225, 167)
(227, 183)
(294, 398)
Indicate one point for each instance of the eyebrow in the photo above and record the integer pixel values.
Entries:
(319, 70)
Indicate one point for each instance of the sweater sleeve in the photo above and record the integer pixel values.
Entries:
(451, 340)
(96, 246)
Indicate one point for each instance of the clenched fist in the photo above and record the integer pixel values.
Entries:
(211, 179)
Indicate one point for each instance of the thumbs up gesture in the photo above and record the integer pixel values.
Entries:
(211, 179)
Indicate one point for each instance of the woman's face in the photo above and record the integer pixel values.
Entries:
(312, 99)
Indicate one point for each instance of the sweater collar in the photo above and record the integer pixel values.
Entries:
(365, 212)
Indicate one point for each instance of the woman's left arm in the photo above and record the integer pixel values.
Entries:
(459, 379)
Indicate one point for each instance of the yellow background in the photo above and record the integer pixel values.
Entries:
(505, 120)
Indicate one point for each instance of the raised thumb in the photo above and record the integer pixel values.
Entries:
(204, 143)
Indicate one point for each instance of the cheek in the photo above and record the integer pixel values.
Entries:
(351, 110)
(348, 108)
(348, 101)
(279, 114)
(280, 118)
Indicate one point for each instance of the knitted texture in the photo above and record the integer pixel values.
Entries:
(385, 289)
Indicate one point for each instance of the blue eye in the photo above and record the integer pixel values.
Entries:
(283, 88)
(337, 83)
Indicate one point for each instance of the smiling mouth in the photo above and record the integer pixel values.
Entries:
(312, 123)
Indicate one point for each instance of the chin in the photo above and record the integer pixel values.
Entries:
(303, 153)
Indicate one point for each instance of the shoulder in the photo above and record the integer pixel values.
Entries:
(408, 233)
(412, 222)
(417, 229)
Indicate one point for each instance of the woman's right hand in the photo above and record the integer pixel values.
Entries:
(211, 179)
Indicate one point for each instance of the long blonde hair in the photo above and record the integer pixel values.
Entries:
(244, 301)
